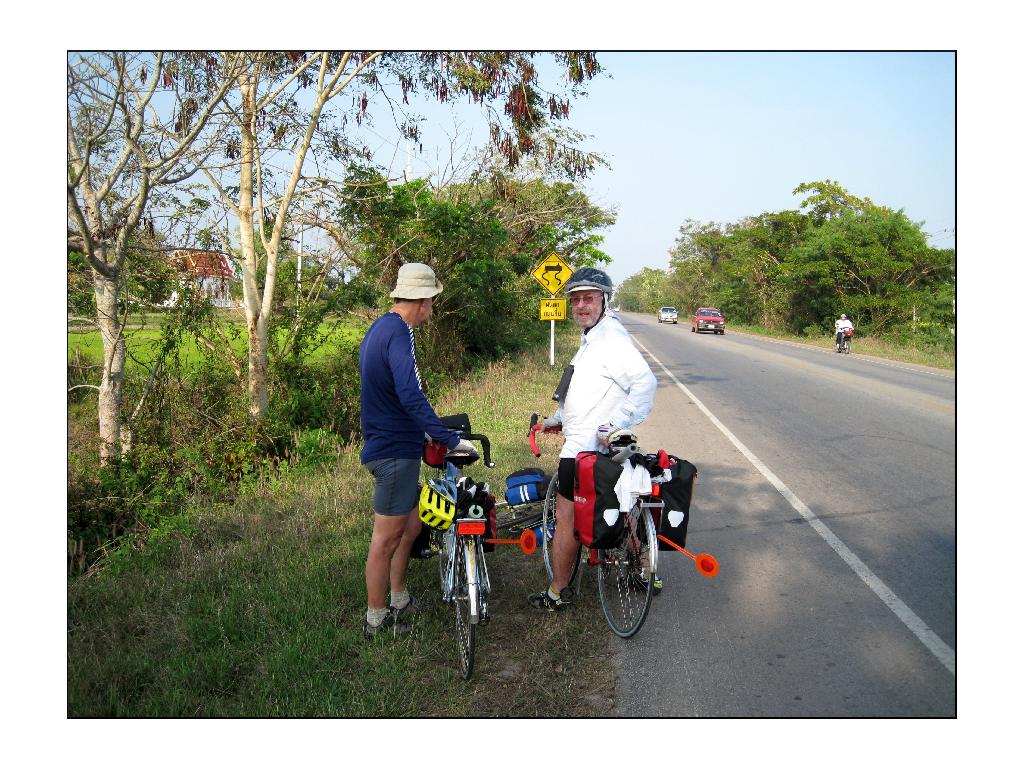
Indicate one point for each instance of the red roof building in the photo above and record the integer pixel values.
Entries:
(211, 271)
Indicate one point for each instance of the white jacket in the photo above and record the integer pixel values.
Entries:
(611, 383)
(843, 324)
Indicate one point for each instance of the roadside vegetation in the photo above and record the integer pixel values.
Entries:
(217, 518)
(925, 355)
(253, 607)
(792, 273)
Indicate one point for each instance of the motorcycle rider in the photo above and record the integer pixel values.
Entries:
(841, 325)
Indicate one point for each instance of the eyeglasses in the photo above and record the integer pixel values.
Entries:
(582, 298)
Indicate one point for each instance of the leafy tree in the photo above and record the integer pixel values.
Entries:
(645, 291)
(827, 200)
(136, 123)
(477, 312)
(755, 271)
(541, 211)
(800, 269)
(271, 129)
(693, 264)
(875, 266)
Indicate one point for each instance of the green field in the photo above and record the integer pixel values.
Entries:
(143, 339)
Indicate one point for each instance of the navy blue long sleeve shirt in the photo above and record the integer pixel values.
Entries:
(395, 413)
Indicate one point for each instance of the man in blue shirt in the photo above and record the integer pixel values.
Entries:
(395, 415)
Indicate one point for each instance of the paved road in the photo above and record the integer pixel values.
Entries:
(842, 606)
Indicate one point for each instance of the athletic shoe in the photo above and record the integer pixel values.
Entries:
(542, 600)
(411, 609)
(391, 623)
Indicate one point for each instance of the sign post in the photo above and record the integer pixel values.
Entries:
(552, 273)
(552, 309)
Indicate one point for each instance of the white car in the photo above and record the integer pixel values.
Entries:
(668, 315)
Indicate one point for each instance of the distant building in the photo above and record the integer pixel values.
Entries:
(212, 272)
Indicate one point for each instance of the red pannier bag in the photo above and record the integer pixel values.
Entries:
(434, 453)
(598, 522)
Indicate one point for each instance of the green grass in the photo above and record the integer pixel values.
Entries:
(923, 355)
(142, 340)
(255, 608)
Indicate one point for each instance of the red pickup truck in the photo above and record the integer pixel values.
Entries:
(708, 319)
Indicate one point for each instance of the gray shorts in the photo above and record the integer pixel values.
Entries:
(396, 485)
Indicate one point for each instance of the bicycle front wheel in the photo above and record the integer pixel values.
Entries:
(547, 532)
(465, 629)
(624, 582)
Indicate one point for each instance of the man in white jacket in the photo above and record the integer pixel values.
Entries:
(612, 387)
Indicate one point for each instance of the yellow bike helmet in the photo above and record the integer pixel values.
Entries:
(437, 503)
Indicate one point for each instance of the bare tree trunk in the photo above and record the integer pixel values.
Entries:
(259, 398)
(111, 115)
(112, 383)
(259, 310)
(258, 363)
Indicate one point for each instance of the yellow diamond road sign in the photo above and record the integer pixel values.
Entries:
(552, 273)
(552, 309)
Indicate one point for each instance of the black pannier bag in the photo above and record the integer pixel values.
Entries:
(476, 501)
(599, 523)
(527, 485)
(674, 518)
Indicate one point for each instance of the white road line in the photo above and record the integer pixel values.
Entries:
(906, 615)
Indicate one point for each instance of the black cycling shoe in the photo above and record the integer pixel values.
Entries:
(390, 625)
(409, 610)
(542, 600)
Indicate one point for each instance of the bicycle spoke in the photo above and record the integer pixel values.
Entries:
(445, 564)
(624, 581)
(465, 631)
(547, 532)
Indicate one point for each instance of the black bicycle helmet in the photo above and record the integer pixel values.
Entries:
(589, 278)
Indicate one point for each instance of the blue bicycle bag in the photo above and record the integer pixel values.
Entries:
(527, 485)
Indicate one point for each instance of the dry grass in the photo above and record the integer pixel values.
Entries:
(255, 608)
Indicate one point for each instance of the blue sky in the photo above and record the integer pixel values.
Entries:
(718, 136)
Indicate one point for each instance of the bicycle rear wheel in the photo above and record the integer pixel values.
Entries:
(465, 630)
(624, 582)
(547, 531)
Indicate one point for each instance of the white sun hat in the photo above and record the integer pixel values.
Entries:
(416, 281)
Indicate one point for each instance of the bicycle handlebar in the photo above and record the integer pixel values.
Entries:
(537, 426)
(485, 443)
